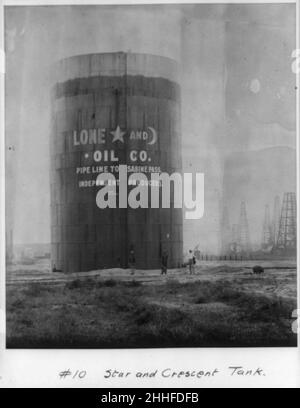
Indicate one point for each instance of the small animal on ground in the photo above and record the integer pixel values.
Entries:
(257, 269)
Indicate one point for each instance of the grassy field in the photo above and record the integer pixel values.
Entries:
(102, 313)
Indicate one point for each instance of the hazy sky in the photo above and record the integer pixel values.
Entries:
(238, 95)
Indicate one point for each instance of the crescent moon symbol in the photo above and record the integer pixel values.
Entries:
(154, 135)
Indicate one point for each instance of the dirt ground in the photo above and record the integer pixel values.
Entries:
(279, 278)
(218, 306)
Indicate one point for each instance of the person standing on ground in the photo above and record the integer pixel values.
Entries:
(164, 263)
(131, 261)
(191, 262)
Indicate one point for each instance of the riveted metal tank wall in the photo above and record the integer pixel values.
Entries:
(112, 109)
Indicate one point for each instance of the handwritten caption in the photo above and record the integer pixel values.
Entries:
(169, 373)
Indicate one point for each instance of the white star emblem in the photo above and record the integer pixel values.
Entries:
(118, 134)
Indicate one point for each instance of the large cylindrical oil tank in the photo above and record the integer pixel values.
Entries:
(111, 109)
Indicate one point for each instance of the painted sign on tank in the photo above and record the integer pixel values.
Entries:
(141, 138)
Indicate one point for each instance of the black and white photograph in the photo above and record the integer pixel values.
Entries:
(151, 175)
